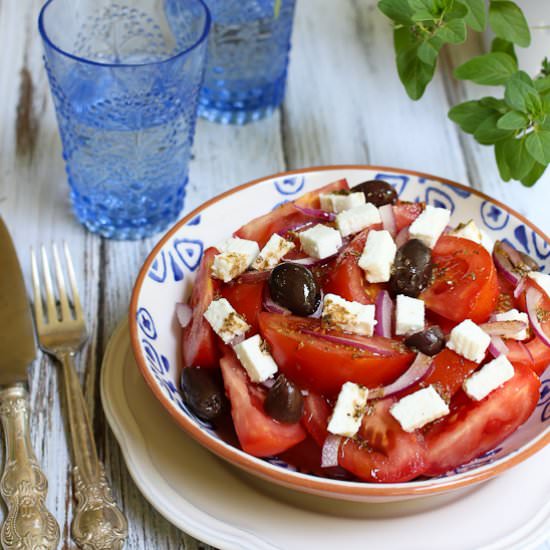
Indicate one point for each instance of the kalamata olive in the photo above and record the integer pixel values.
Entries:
(293, 286)
(203, 391)
(412, 268)
(379, 192)
(429, 341)
(284, 402)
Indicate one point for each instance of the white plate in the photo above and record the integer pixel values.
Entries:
(224, 507)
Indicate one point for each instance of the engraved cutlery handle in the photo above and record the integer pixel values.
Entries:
(98, 524)
(23, 486)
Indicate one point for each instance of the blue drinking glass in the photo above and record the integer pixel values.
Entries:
(125, 80)
(247, 62)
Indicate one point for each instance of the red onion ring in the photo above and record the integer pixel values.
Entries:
(503, 328)
(329, 452)
(184, 314)
(316, 213)
(270, 305)
(402, 237)
(519, 288)
(420, 368)
(383, 314)
(498, 347)
(345, 341)
(533, 298)
(387, 216)
(253, 276)
(294, 227)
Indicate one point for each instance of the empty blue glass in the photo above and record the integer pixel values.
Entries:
(125, 80)
(247, 61)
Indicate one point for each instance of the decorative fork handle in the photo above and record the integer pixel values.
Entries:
(29, 524)
(98, 524)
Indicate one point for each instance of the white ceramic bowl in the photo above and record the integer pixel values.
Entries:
(167, 278)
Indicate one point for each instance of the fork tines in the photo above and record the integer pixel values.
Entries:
(53, 313)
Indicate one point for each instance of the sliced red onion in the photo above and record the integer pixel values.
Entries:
(184, 314)
(316, 213)
(420, 369)
(344, 341)
(383, 314)
(504, 265)
(512, 263)
(312, 262)
(269, 383)
(402, 237)
(388, 219)
(253, 276)
(533, 299)
(294, 227)
(519, 288)
(503, 328)
(512, 253)
(498, 347)
(270, 305)
(329, 452)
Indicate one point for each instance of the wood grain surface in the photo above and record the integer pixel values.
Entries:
(344, 104)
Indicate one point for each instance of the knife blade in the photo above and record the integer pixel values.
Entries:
(17, 345)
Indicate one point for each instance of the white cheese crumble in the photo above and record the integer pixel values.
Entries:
(320, 241)
(378, 256)
(349, 410)
(356, 219)
(336, 202)
(515, 315)
(409, 315)
(256, 359)
(272, 253)
(225, 321)
(236, 256)
(348, 316)
(487, 379)
(469, 340)
(429, 225)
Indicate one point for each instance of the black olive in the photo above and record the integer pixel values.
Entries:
(293, 286)
(429, 341)
(412, 269)
(379, 192)
(203, 391)
(284, 402)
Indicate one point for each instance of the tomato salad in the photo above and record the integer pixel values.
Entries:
(356, 335)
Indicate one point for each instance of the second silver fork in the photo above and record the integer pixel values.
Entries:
(98, 524)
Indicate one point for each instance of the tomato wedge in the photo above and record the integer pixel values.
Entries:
(465, 284)
(258, 433)
(405, 213)
(285, 215)
(383, 451)
(246, 298)
(198, 338)
(347, 279)
(323, 366)
(316, 416)
(474, 427)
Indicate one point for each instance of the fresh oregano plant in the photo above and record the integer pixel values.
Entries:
(517, 125)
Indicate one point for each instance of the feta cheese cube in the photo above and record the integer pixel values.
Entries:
(336, 202)
(320, 241)
(349, 316)
(542, 280)
(225, 321)
(515, 315)
(471, 231)
(377, 257)
(356, 219)
(349, 410)
(419, 408)
(256, 359)
(272, 252)
(235, 258)
(429, 225)
(487, 379)
(409, 315)
(469, 340)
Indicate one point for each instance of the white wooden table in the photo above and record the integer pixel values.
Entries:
(344, 105)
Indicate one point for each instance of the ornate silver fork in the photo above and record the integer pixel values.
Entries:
(98, 524)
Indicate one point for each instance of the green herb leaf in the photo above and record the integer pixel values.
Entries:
(534, 175)
(508, 22)
(457, 10)
(489, 133)
(397, 10)
(542, 84)
(498, 105)
(513, 120)
(519, 159)
(428, 51)
(453, 31)
(470, 115)
(491, 69)
(520, 94)
(423, 10)
(538, 145)
(502, 160)
(476, 18)
(504, 46)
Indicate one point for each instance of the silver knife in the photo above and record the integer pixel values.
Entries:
(23, 485)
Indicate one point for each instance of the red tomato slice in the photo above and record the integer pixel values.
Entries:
(258, 433)
(198, 338)
(285, 216)
(465, 284)
(247, 299)
(347, 279)
(405, 213)
(383, 451)
(316, 415)
(475, 427)
(323, 366)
